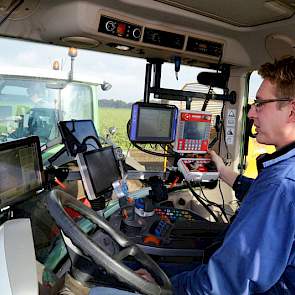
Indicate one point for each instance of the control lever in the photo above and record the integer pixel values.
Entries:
(158, 192)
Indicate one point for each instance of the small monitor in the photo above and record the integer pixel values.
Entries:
(20, 170)
(99, 169)
(193, 130)
(75, 132)
(153, 123)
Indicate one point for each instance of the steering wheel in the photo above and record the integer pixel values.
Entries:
(56, 202)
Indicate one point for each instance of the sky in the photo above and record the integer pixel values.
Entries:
(126, 74)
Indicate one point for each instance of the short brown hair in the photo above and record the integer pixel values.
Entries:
(282, 74)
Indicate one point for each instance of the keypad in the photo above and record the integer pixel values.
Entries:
(173, 214)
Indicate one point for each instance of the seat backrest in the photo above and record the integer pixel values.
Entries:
(18, 271)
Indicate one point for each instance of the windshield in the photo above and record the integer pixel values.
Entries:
(34, 106)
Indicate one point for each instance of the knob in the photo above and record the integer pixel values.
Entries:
(181, 202)
(110, 26)
(136, 33)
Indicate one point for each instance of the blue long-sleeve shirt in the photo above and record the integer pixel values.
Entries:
(258, 252)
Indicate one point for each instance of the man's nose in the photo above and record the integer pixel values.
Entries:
(252, 112)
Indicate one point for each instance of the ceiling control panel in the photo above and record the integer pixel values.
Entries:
(163, 38)
(147, 35)
(202, 46)
(118, 28)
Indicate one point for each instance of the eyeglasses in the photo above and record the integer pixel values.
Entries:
(258, 103)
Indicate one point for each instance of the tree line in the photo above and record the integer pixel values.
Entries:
(111, 103)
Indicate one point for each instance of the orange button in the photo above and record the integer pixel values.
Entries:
(150, 239)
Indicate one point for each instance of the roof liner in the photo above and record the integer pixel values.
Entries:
(65, 22)
(240, 13)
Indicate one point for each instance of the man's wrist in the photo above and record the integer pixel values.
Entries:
(227, 175)
(222, 171)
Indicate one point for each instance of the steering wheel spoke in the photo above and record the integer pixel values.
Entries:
(124, 253)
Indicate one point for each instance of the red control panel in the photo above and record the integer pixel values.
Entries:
(193, 130)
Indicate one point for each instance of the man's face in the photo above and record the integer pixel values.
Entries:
(270, 120)
(35, 98)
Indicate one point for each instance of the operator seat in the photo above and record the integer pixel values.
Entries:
(18, 270)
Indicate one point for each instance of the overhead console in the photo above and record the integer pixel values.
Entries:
(93, 26)
(146, 34)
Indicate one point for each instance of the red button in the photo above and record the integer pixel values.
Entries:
(121, 29)
(202, 168)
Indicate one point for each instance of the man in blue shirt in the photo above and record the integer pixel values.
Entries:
(258, 252)
(257, 255)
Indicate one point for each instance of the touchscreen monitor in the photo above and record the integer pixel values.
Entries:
(20, 170)
(153, 123)
(99, 169)
(79, 136)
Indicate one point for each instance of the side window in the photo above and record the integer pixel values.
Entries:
(254, 148)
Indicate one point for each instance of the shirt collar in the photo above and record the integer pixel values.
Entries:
(284, 153)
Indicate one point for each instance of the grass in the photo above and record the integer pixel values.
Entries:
(118, 118)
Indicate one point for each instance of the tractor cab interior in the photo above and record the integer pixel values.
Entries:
(76, 210)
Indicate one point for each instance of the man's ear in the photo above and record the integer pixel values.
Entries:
(292, 112)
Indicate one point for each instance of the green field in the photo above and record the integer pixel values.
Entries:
(111, 117)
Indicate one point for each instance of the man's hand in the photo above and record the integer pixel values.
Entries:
(225, 172)
(217, 160)
(145, 275)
